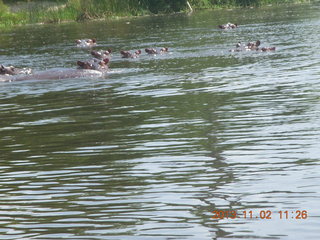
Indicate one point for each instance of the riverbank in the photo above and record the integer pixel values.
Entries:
(20, 13)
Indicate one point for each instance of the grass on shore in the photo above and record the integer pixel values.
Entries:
(80, 10)
(71, 10)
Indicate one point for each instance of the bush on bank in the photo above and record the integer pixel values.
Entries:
(13, 12)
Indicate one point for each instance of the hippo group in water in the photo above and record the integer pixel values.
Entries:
(90, 68)
(98, 65)
(252, 46)
(95, 67)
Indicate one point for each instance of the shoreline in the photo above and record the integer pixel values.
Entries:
(64, 13)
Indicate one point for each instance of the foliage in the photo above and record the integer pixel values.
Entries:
(48, 11)
(3, 8)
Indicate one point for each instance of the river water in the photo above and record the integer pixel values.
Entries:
(152, 150)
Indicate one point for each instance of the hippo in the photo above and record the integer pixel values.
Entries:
(151, 51)
(154, 51)
(101, 54)
(86, 43)
(228, 26)
(94, 64)
(164, 50)
(53, 74)
(90, 68)
(11, 70)
(128, 54)
(267, 49)
(239, 48)
(252, 46)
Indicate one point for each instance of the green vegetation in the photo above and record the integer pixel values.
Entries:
(14, 12)
(236, 3)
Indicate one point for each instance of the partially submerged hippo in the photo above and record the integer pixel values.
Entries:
(252, 46)
(53, 74)
(11, 70)
(228, 26)
(86, 43)
(154, 51)
(94, 64)
(91, 68)
(128, 54)
(102, 54)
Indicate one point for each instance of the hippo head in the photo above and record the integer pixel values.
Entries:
(103, 64)
(84, 65)
(233, 25)
(253, 45)
(250, 44)
(94, 64)
(96, 54)
(7, 70)
(164, 50)
(151, 50)
(138, 52)
(11, 70)
(101, 54)
(90, 42)
(126, 54)
(84, 43)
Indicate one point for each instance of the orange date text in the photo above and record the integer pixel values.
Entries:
(259, 214)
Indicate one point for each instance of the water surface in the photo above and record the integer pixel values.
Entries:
(151, 150)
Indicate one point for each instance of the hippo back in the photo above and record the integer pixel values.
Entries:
(6, 78)
(55, 74)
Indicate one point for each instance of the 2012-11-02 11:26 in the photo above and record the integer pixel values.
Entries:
(261, 214)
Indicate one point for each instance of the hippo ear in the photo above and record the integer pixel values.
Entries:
(139, 51)
(109, 50)
(94, 40)
(258, 43)
(80, 64)
(106, 60)
(78, 41)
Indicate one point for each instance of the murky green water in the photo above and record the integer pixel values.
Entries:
(150, 151)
